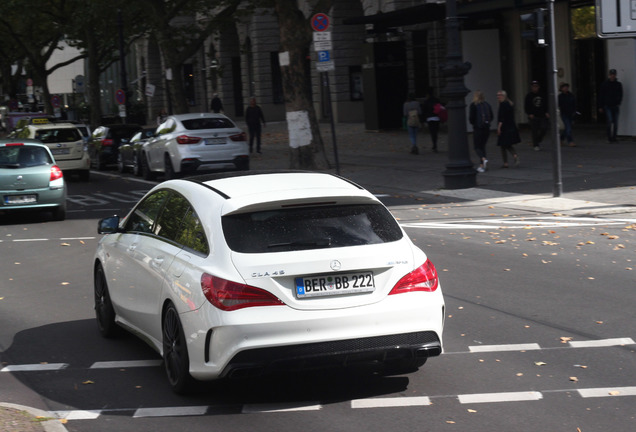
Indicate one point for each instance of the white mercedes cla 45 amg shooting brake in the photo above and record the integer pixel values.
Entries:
(245, 273)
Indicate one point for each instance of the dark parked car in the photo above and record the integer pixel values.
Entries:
(103, 146)
(130, 150)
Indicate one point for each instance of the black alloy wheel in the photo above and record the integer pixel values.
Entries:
(175, 352)
(146, 173)
(104, 311)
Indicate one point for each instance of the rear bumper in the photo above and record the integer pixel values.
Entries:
(342, 353)
(190, 166)
(82, 163)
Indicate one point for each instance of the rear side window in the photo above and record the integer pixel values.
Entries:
(48, 136)
(305, 228)
(143, 218)
(207, 123)
(23, 157)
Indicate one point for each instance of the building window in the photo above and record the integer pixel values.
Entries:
(278, 96)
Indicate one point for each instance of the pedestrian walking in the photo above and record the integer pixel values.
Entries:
(254, 117)
(507, 131)
(412, 111)
(216, 105)
(536, 107)
(567, 107)
(432, 119)
(480, 116)
(610, 98)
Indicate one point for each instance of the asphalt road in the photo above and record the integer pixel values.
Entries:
(539, 333)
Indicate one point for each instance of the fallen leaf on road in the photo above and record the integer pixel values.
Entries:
(565, 339)
(88, 382)
(574, 379)
(540, 363)
(65, 244)
(471, 411)
(614, 393)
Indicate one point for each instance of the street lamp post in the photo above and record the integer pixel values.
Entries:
(460, 173)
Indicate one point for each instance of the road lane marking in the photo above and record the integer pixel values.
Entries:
(125, 364)
(601, 343)
(171, 411)
(499, 397)
(23, 240)
(391, 402)
(280, 407)
(519, 223)
(508, 347)
(607, 392)
(77, 414)
(39, 367)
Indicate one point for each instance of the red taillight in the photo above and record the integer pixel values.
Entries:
(14, 144)
(107, 142)
(228, 296)
(184, 139)
(56, 173)
(423, 278)
(239, 137)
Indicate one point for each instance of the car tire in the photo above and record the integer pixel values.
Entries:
(175, 351)
(136, 166)
(59, 213)
(120, 164)
(85, 175)
(169, 169)
(101, 166)
(104, 311)
(145, 169)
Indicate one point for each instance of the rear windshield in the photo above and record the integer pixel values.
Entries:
(207, 123)
(49, 136)
(284, 230)
(23, 157)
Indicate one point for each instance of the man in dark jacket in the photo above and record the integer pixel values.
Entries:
(536, 107)
(610, 98)
(253, 118)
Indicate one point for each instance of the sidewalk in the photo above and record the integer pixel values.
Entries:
(18, 418)
(597, 177)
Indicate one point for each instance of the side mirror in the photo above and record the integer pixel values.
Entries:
(109, 225)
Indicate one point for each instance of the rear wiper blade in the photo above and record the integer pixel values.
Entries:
(10, 166)
(322, 242)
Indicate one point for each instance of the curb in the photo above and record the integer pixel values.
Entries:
(52, 425)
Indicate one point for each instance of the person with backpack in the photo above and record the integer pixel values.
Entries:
(480, 116)
(432, 116)
(412, 112)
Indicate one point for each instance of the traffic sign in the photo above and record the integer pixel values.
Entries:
(323, 45)
(323, 56)
(120, 96)
(55, 101)
(320, 22)
(325, 66)
(616, 19)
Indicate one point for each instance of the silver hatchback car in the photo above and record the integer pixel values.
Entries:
(30, 178)
(187, 143)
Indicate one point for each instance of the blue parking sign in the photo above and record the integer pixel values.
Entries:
(323, 56)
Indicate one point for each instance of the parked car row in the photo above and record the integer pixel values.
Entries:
(183, 144)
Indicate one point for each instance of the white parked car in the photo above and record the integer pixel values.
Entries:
(187, 143)
(235, 274)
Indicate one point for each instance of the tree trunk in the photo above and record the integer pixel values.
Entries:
(305, 141)
(94, 93)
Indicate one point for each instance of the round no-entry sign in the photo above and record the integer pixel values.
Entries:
(120, 96)
(320, 22)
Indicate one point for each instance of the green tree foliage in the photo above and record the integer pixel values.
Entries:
(584, 22)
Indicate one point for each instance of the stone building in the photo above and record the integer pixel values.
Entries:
(381, 50)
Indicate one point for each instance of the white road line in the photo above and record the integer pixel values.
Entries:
(518, 223)
(499, 397)
(34, 367)
(171, 411)
(601, 343)
(280, 407)
(48, 239)
(30, 240)
(125, 364)
(509, 347)
(77, 414)
(607, 392)
(391, 402)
